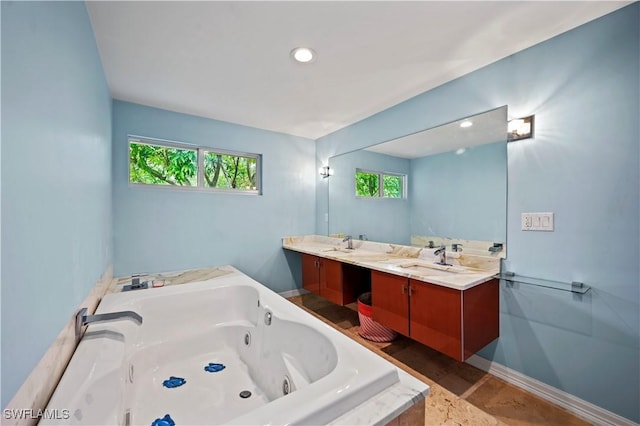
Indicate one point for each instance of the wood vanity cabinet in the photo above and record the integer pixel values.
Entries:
(333, 280)
(389, 301)
(436, 318)
(457, 323)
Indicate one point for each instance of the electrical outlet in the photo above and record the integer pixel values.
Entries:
(537, 221)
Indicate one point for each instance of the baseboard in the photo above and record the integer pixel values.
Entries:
(294, 292)
(581, 408)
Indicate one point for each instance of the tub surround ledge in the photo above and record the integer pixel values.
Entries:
(175, 277)
(401, 404)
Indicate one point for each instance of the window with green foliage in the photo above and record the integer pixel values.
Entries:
(159, 163)
(228, 171)
(162, 165)
(379, 184)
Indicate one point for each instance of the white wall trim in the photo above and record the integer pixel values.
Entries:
(294, 292)
(586, 410)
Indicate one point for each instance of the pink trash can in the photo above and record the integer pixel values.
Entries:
(369, 329)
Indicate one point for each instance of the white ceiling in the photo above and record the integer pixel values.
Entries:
(230, 60)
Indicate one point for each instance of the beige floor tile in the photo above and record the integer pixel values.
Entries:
(423, 362)
(443, 407)
(460, 393)
(517, 407)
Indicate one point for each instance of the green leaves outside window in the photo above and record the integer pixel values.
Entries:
(379, 184)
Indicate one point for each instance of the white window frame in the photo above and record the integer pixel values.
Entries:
(381, 176)
(200, 154)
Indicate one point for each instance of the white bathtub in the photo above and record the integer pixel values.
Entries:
(116, 374)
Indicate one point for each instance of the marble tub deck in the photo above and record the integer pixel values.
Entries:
(460, 393)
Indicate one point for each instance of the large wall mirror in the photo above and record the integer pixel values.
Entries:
(453, 184)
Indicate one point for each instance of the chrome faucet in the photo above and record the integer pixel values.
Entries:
(83, 319)
(442, 252)
(349, 240)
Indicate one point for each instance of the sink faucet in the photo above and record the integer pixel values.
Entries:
(83, 319)
(349, 240)
(442, 252)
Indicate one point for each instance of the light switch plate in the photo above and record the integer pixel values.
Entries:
(537, 221)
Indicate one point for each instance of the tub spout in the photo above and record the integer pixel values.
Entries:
(83, 319)
(112, 316)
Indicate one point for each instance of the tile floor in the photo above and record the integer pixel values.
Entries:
(460, 393)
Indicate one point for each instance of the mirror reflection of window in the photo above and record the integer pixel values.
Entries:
(369, 184)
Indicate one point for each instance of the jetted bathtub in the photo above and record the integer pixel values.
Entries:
(297, 369)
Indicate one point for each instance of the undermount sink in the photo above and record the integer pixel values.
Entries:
(434, 268)
(339, 249)
(368, 256)
(357, 254)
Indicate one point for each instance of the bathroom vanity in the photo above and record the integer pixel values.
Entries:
(338, 282)
(453, 309)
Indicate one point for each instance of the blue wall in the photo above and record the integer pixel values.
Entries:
(164, 229)
(56, 176)
(461, 195)
(583, 165)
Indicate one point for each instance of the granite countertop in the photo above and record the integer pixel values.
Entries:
(466, 270)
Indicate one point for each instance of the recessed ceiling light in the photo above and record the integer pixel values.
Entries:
(303, 55)
(466, 123)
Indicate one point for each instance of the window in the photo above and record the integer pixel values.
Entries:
(228, 171)
(380, 184)
(162, 165)
(154, 162)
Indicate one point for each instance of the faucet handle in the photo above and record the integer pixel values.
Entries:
(81, 315)
(456, 247)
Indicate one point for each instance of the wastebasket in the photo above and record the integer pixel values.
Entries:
(369, 329)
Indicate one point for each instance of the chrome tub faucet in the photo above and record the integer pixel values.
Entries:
(83, 319)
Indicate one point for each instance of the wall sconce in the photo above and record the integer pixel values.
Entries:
(325, 172)
(520, 128)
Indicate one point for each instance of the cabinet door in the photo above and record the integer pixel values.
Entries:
(436, 317)
(389, 301)
(331, 280)
(310, 273)
(481, 316)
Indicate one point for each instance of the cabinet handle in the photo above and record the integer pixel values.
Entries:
(404, 289)
(410, 291)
